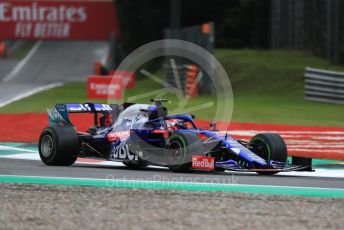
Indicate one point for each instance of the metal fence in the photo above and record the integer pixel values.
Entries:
(324, 85)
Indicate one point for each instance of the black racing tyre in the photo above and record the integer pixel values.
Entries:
(270, 146)
(59, 146)
(138, 165)
(183, 145)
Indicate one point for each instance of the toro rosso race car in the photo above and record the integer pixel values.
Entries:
(139, 135)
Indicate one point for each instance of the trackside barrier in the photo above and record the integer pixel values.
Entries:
(324, 85)
(128, 78)
(103, 87)
(186, 74)
(111, 86)
(191, 84)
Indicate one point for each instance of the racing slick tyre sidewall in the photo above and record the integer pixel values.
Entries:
(272, 147)
(189, 144)
(59, 146)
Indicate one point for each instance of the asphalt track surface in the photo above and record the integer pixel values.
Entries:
(50, 63)
(37, 168)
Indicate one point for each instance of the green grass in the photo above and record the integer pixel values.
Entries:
(24, 50)
(267, 85)
(76, 93)
(285, 110)
(275, 72)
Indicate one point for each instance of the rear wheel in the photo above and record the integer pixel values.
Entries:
(59, 146)
(182, 147)
(270, 146)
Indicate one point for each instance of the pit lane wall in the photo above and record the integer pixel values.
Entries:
(58, 20)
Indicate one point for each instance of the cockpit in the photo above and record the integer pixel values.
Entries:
(133, 116)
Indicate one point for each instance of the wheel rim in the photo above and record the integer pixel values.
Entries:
(176, 151)
(263, 150)
(47, 146)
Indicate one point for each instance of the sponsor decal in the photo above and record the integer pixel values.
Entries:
(165, 133)
(203, 162)
(86, 107)
(38, 12)
(79, 107)
(127, 77)
(122, 152)
(99, 136)
(55, 118)
(135, 120)
(102, 87)
(113, 136)
(37, 19)
(203, 136)
(61, 107)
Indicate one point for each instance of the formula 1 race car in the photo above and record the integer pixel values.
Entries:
(139, 135)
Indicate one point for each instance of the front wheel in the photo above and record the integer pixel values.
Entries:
(270, 146)
(58, 146)
(183, 146)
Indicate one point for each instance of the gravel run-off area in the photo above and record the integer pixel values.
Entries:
(25, 206)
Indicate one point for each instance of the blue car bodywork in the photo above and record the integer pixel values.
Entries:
(139, 134)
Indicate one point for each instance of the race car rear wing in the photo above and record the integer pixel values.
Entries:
(86, 108)
(58, 116)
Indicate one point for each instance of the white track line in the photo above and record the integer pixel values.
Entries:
(175, 182)
(250, 132)
(17, 69)
(328, 138)
(310, 142)
(31, 92)
(323, 147)
(22, 63)
(4, 147)
(316, 150)
(334, 173)
(34, 156)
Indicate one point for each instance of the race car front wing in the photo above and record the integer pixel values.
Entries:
(304, 164)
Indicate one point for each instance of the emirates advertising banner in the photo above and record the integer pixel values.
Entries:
(55, 20)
